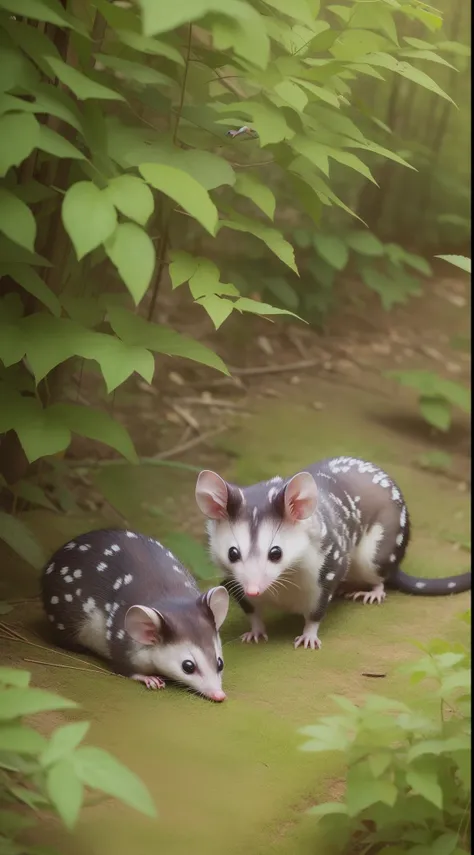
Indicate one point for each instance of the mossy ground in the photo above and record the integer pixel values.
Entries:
(229, 778)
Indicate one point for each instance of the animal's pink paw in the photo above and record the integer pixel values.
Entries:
(253, 636)
(309, 640)
(377, 595)
(150, 682)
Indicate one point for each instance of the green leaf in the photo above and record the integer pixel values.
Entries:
(247, 184)
(354, 44)
(353, 162)
(367, 793)
(28, 278)
(65, 790)
(19, 135)
(53, 143)
(16, 220)
(22, 541)
(182, 267)
(136, 71)
(28, 701)
(267, 120)
(63, 741)
(332, 249)
(406, 70)
(458, 260)
(21, 739)
(205, 281)
(98, 769)
(157, 20)
(299, 11)
(132, 197)
(328, 808)
(82, 86)
(11, 823)
(292, 94)
(428, 56)
(33, 494)
(135, 330)
(144, 44)
(88, 216)
(374, 16)
(217, 308)
(282, 291)
(14, 677)
(49, 11)
(192, 554)
(185, 190)
(132, 252)
(96, 425)
(271, 237)
(245, 304)
(365, 243)
(436, 412)
(424, 781)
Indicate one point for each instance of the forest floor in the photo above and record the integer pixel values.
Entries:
(229, 777)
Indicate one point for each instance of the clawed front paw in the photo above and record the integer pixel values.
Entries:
(368, 597)
(308, 640)
(253, 636)
(150, 682)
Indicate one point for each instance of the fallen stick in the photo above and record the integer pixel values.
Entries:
(185, 446)
(275, 369)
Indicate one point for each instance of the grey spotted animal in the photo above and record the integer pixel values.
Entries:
(127, 598)
(292, 543)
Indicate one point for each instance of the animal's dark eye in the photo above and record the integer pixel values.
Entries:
(275, 553)
(234, 554)
(220, 664)
(188, 666)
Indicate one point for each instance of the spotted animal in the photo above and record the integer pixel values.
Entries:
(293, 543)
(125, 597)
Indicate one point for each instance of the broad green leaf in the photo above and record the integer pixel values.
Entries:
(282, 291)
(14, 677)
(39, 438)
(157, 19)
(428, 56)
(145, 44)
(20, 738)
(192, 554)
(383, 152)
(98, 769)
(299, 10)
(357, 44)
(353, 162)
(255, 307)
(378, 763)
(32, 192)
(132, 252)
(132, 197)
(332, 249)
(321, 93)
(271, 237)
(207, 168)
(182, 267)
(28, 701)
(12, 253)
(49, 11)
(12, 823)
(425, 783)
(33, 494)
(19, 135)
(247, 184)
(94, 424)
(15, 70)
(217, 308)
(16, 220)
(312, 151)
(365, 243)
(135, 70)
(28, 278)
(205, 281)
(63, 741)
(53, 143)
(66, 791)
(458, 260)
(186, 191)
(436, 411)
(135, 330)
(374, 16)
(292, 94)
(248, 39)
(88, 216)
(268, 121)
(56, 102)
(83, 87)
(327, 808)
(368, 793)
(430, 384)
(408, 71)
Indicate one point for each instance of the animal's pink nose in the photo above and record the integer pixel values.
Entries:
(218, 696)
(252, 591)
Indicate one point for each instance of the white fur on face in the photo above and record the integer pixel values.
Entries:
(167, 660)
(255, 572)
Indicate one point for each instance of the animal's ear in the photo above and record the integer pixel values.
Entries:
(143, 624)
(218, 601)
(212, 495)
(301, 497)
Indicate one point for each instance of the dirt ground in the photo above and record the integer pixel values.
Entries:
(230, 777)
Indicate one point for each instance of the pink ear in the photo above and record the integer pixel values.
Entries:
(211, 495)
(301, 497)
(143, 624)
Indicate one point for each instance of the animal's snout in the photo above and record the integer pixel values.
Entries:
(218, 696)
(252, 591)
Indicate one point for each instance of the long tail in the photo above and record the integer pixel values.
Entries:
(430, 587)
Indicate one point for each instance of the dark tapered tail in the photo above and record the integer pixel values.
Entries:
(429, 587)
